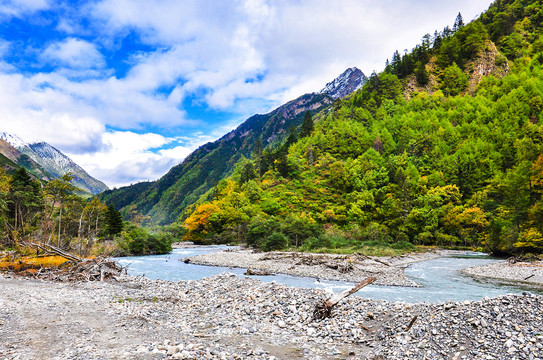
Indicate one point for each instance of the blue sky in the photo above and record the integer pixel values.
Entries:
(129, 88)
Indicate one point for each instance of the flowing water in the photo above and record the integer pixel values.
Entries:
(441, 278)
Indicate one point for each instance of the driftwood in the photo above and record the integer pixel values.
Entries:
(342, 268)
(324, 308)
(339, 263)
(99, 269)
(411, 323)
(257, 272)
(370, 258)
(52, 249)
(78, 269)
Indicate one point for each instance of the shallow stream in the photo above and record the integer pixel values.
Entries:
(441, 278)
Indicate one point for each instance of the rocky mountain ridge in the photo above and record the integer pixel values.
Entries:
(349, 81)
(46, 162)
(165, 199)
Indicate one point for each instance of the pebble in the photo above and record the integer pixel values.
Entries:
(229, 317)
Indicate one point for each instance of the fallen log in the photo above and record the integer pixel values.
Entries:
(55, 250)
(324, 308)
(370, 258)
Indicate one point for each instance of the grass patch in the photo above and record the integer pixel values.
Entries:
(31, 263)
(370, 248)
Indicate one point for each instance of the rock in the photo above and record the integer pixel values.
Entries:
(142, 349)
(509, 343)
(172, 350)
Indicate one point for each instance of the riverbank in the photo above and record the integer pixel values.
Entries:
(527, 273)
(351, 268)
(228, 317)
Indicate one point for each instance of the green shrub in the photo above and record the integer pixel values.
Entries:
(403, 245)
(138, 241)
(275, 241)
(318, 242)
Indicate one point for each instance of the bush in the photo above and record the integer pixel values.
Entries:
(259, 229)
(319, 242)
(403, 245)
(275, 241)
(137, 241)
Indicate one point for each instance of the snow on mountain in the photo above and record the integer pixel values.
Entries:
(55, 162)
(13, 139)
(351, 80)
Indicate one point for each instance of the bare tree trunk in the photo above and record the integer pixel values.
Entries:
(16, 216)
(59, 223)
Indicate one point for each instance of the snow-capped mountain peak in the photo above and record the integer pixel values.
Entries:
(54, 162)
(351, 80)
(13, 139)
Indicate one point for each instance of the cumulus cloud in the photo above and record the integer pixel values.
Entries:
(302, 44)
(127, 157)
(75, 53)
(240, 57)
(17, 8)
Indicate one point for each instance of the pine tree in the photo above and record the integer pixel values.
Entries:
(422, 75)
(395, 64)
(458, 23)
(114, 220)
(307, 125)
(257, 154)
(292, 137)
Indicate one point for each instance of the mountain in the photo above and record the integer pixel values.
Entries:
(442, 148)
(164, 200)
(13, 158)
(351, 80)
(46, 162)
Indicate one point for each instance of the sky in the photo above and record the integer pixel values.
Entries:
(128, 89)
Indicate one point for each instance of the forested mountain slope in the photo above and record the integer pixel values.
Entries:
(165, 199)
(445, 147)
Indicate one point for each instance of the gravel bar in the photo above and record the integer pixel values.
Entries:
(229, 317)
(293, 264)
(527, 273)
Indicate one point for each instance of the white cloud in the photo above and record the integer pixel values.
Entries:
(301, 45)
(75, 53)
(127, 157)
(245, 56)
(21, 7)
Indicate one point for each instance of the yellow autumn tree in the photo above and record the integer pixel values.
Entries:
(198, 224)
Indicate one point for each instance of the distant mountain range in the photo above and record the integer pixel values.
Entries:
(165, 200)
(45, 162)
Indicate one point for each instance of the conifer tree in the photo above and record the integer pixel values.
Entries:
(307, 125)
(458, 23)
(114, 220)
(258, 156)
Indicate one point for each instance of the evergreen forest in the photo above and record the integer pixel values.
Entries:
(32, 211)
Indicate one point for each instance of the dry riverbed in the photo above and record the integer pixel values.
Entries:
(228, 317)
(352, 268)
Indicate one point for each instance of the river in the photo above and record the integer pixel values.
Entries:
(441, 278)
